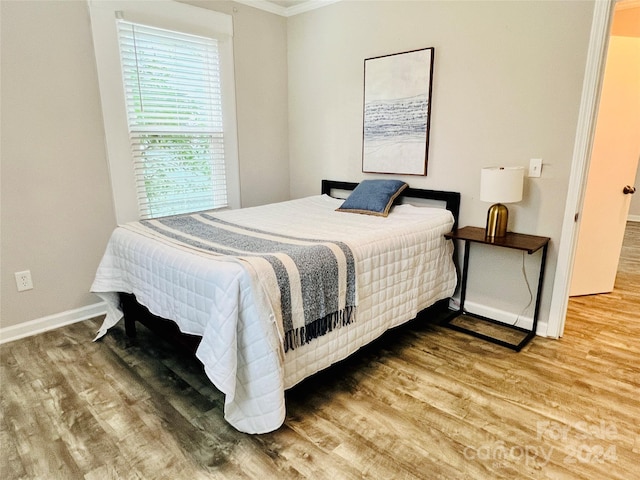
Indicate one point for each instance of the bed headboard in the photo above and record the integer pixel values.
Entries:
(450, 200)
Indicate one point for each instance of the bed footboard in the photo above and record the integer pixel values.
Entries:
(167, 329)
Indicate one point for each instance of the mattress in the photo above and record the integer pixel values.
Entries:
(403, 265)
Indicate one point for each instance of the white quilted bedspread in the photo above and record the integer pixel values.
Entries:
(403, 265)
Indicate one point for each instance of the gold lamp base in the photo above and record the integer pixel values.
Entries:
(497, 219)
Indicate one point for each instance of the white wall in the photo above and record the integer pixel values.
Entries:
(508, 78)
(57, 209)
(507, 84)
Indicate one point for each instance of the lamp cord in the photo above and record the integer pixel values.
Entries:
(526, 281)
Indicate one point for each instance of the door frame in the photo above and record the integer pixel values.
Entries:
(587, 116)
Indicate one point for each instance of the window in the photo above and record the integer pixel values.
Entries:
(170, 117)
(174, 112)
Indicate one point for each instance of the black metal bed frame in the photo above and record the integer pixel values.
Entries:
(451, 200)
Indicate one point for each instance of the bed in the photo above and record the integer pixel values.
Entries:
(259, 321)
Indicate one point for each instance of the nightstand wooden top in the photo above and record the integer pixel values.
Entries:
(518, 241)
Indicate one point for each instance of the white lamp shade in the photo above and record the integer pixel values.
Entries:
(501, 184)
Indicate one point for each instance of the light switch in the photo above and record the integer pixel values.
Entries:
(535, 167)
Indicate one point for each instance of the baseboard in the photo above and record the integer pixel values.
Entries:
(633, 218)
(503, 316)
(51, 322)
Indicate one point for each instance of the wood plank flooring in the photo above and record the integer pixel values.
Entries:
(424, 402)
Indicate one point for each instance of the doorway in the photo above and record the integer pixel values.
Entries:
(614, 160)
(596, 57)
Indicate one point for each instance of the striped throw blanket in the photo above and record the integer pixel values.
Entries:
(310, 283)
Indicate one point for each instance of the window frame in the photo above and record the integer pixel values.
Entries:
(169, 15)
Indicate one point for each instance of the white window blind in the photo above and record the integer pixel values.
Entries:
(174, 111)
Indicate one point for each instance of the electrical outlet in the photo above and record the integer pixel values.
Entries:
(23, 280)
(535, 167)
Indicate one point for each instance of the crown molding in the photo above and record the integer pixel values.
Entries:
(287, 11)
(307, 6)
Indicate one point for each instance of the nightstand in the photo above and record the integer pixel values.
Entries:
(518, 241)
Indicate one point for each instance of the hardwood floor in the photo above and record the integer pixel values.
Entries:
(423, 402)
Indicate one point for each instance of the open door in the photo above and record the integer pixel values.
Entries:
(614, 161)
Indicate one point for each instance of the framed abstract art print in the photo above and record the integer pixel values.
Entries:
(397, 112)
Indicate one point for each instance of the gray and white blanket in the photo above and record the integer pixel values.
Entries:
(316, 280)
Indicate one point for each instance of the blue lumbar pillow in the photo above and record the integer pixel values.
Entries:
(373, 197)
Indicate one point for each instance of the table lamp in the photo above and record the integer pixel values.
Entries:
(500, 185)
